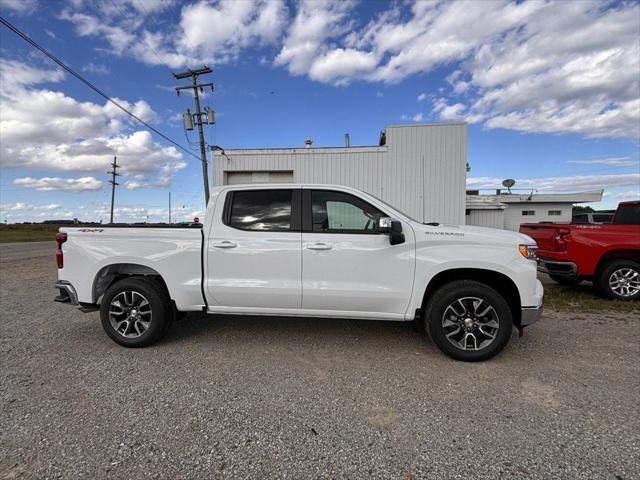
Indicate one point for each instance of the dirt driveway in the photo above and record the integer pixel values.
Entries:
(240, 397)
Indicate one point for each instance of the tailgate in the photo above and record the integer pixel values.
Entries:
(543, 234)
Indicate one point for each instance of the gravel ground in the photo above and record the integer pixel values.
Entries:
(241, 397)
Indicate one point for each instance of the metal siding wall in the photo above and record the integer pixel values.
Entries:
(421, 171)
(486, 218)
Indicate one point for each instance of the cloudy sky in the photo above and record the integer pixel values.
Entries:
(551, 91)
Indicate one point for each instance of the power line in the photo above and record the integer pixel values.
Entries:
(91, 85)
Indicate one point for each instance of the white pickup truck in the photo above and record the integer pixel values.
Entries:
(311, 251)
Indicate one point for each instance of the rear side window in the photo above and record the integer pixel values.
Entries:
(628, 215)
(261, 210)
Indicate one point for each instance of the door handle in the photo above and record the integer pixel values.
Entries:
(319, 246)
(225, 244)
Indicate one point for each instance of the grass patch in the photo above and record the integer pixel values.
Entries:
(582, 298)
(28, 233)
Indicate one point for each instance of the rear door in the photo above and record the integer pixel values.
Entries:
(347, 267)
(253, 250)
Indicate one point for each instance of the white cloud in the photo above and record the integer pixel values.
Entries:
(21, 7)
(422, 97)
(21, 206)
(47, 130)
(22, 211)
(339, 65)
(417, 117)
(549, 67)
(629, 195)
(48, 184)
(612, 162)
(571, 183)
(314, 24)
(99, 69)
(211, 33)
(14, 75)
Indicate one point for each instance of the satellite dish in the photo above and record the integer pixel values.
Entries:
(508, 183)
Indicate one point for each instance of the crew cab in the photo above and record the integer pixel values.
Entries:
(305, 250)
(607, 254)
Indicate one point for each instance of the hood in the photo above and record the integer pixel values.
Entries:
(476, 234)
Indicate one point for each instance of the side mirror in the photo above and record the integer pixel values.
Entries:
(391, 227)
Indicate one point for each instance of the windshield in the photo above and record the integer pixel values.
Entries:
(393, 208)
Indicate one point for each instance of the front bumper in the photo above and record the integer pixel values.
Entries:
(557, 267)
(530, 315)
(67, 293)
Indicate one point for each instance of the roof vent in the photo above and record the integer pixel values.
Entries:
(308, 142)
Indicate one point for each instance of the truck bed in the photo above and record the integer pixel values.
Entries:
(173, 252)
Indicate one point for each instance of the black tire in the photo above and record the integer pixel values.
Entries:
(442, 301)
(159, 307)
(568, 281)
(617, 269)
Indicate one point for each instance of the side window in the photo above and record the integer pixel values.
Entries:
(261, 210)
(628, 214)
(337, 212)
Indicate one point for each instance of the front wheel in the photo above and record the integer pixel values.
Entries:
(468, 320)
(620, 279)
(135, 312)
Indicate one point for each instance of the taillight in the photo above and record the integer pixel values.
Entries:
(560, 245)
(60, 239)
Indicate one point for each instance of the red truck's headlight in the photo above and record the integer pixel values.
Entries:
(530, 252)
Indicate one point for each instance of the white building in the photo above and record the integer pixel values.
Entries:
(508, 211)
(419, 169)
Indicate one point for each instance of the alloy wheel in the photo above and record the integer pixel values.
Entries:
(625, 282)
(130, 314)
(470, 323)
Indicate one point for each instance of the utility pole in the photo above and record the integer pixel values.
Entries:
(113, 183)
(195, 86)
(169, 207)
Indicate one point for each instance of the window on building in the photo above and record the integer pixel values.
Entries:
(262, 210)
(467, 212)
(337, 212)
(602, 217)
(528, 212)
(555, 213)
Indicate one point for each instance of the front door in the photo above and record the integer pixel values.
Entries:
(347, 267)
(254, 255)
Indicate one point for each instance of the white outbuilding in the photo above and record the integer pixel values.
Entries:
(419, 169)
(508, 211)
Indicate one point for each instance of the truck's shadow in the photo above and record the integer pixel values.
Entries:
(197, 325)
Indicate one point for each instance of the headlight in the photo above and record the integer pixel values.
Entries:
(530, 252)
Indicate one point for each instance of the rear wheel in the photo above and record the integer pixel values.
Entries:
(135, 312)
(566, 280)
(620, 279)
(468, 320)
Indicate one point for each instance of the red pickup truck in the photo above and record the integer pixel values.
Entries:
(607, 254)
